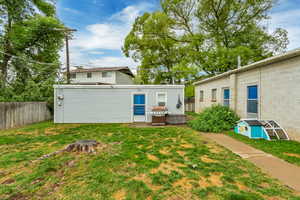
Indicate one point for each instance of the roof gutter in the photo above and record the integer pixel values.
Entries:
(119, 86)
(271, 60)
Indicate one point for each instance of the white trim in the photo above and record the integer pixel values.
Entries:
(166, 98)
(183, 102)
(120, 86)
(132, 105)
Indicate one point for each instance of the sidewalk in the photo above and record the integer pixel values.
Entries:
(287, 173)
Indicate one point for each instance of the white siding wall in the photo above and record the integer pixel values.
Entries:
(96, 77)
(108, 105)
(123, 79)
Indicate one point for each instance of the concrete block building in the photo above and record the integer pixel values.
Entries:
(268, 89)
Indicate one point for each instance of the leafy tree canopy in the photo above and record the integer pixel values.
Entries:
(190, 36)
(29, 45)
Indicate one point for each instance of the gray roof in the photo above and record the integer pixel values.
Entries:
(265, 62)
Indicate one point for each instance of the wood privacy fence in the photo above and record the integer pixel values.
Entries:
(14, 114)
(189, 104)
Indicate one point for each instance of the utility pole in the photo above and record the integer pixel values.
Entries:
(68, 59)
(67, 31)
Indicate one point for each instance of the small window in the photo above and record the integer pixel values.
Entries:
(201, 96)
(252, 105)
(214, 95)
(89, 75)
(73, 75)
(226, 97)
(161, 99)
(106, 74)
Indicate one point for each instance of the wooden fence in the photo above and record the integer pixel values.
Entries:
(15, 114)
(189, 104)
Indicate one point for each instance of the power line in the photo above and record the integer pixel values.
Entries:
(28, 60)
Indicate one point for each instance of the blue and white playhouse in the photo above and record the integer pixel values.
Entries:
(261, 129)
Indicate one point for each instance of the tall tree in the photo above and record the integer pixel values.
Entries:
(206, 34)
(28, 31)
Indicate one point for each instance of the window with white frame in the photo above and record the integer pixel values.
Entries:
(214, 95)
(226, 97)
(161, 99)
(201, 96)
(89, 75)
(106, 74)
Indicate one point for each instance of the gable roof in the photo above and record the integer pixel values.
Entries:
(124, 70)
(262, 63)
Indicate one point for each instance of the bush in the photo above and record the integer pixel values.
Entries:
(215, 119)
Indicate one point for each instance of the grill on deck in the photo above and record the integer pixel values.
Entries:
(159, 115)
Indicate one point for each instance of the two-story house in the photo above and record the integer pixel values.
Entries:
(102, 76)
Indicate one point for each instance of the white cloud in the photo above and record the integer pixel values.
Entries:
(289, 20)
(110, 35)
(96, 52)
(111, 61)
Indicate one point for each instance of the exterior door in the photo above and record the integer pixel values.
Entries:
(139, 107)
(252, 102)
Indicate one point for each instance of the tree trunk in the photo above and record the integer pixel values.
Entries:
(6, 52)
(4, 68)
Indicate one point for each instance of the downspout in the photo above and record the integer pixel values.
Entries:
(260, 94)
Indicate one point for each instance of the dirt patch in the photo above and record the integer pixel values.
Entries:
(265, 185)
(271, 198)
(37, 181)
(18, 196)
(152, 157)
(183, 183)
(28, 133)
(181, 153)
(57, 130)
(52, 131)
(206, 159)
(176, 197)
(120, 195)
(8, 181)
(187, 146)
(292, 155)
(241, 186)
(164, 151)
(213, 180)
(144, 178)
(168, 167)
(214, 148)
(204, 183)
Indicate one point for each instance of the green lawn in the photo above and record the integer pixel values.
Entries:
(172, 163)
(286, 150)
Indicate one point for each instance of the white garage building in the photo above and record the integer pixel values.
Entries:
(114, 103)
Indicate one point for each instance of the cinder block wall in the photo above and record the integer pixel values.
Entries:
(279, 93)
(219, 84)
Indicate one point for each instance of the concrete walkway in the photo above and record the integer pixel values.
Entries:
(287, 173)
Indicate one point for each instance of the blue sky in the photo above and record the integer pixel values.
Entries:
(103, 24)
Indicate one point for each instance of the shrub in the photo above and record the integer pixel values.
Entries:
(215, 119)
